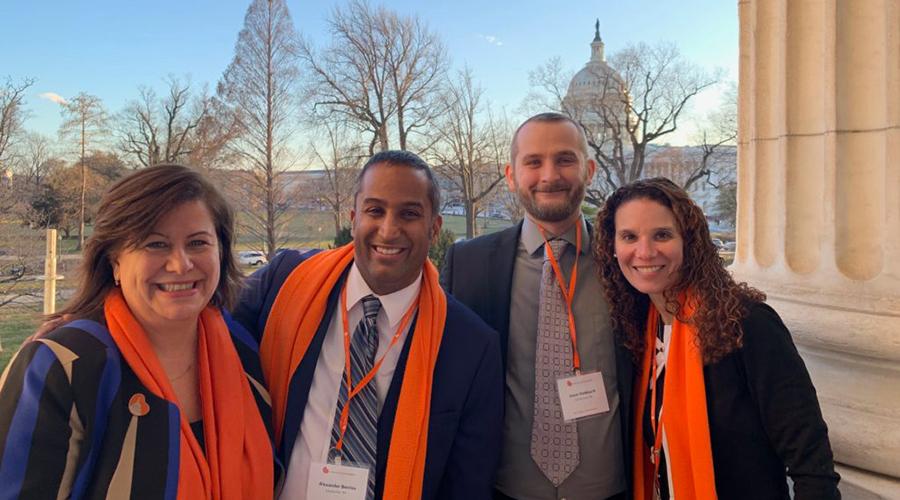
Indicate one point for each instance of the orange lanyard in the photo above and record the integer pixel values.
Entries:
(568, 294)
(352, 390)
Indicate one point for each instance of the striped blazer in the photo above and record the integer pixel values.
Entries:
(66, 430)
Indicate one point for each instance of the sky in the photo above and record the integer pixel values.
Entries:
(109, 48)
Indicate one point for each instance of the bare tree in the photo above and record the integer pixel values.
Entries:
(11, 113)
(154, 130)
(712, 162)
(382, 71)
(634, 106)
(719, 129)
(464, 148)
(33, 162)
(22, 259)
(40, 204)
(215, 132)
(63, 194)
(259, 87)
(549, 83)
(339, 157)
(416, 62)
(84, 117)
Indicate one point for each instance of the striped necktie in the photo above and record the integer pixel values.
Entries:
(362, 427)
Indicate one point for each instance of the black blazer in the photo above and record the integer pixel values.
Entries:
(764, 418)
(478, 272)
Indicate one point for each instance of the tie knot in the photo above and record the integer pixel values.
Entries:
(558, 245)
(371, 306)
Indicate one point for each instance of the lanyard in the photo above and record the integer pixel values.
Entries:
(352, 390)
(568, 295)
(655, 425)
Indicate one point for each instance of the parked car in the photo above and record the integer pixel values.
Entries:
(251, 257)
(718, 243)
(730, 246)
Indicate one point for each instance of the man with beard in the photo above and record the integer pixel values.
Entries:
(535, 284)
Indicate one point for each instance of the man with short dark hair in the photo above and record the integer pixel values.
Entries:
(408, 405)
(553, 323)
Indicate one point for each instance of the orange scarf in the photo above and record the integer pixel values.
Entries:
(684, 417)
(238, 463)
(294, 320)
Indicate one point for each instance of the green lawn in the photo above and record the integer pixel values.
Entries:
(17, 323)
(304, 229)
(316, 229)
(457, 224)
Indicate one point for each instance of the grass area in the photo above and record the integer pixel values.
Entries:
(18, 322)
(304, 229)
(727, 257)
(723, 235)
(457, 224)
(316, 229)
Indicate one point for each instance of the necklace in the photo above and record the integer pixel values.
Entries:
(185, 372)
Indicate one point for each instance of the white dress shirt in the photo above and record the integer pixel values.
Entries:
(314, 439)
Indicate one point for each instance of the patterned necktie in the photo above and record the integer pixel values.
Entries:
(362, 426)
(554, 443)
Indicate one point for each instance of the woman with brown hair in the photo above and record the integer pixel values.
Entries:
(152, 391)
(724, 406)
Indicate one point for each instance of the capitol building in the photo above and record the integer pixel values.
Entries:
(598, 98)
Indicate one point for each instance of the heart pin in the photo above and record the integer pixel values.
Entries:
(138, 406)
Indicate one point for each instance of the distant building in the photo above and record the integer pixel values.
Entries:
(596, 96)
(677, 162)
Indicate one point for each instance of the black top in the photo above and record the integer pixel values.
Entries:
(197, 429)
(649, 434)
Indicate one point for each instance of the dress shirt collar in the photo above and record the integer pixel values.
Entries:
(533, 241)
(394, 304)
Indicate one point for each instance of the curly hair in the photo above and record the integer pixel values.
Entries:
(722, 303)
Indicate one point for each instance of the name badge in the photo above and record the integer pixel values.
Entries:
(346, 482)
(582, 396)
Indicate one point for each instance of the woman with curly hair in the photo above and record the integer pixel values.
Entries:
(724, 406)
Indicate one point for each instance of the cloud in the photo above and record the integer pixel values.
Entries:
(491, 39)
(50, 96)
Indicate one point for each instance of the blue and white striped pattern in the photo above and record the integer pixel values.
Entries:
(362, 426)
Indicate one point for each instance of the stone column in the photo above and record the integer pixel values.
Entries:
(819, 210)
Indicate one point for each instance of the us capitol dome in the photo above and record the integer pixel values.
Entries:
(596, 89)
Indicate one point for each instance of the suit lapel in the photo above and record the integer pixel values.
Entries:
(500, 263)
(389, 412)
(301, 380)
(625, 376)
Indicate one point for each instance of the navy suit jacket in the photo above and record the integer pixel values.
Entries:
(479, 273)
(466, 417)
